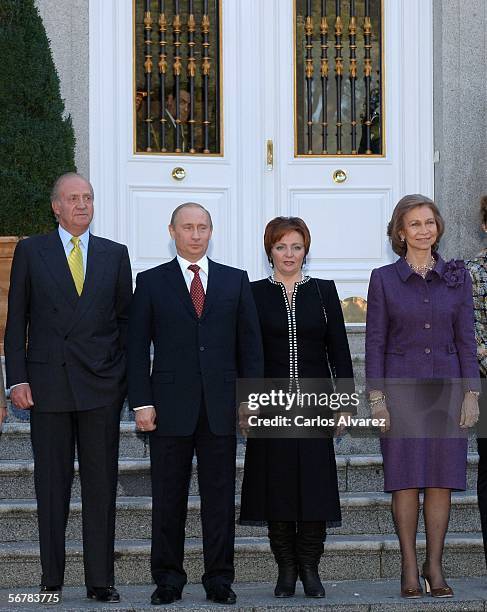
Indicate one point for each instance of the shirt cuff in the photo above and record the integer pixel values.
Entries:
(141, 408)
(18, 385)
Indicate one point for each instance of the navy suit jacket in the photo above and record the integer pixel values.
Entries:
(193, 358)
(70, 348)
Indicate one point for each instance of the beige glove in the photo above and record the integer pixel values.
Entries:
(469, 414)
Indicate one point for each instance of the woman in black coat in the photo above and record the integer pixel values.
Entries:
(291, 484)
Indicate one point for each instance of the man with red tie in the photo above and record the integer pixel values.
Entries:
(202, 320)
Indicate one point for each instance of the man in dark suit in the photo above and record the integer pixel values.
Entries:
(65, 342)
(201, 317)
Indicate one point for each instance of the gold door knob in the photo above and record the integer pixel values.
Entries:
(178, 174)
(339, 176)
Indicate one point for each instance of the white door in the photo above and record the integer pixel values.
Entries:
(138, 188)
(260, 48)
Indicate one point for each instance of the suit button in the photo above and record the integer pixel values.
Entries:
(427, 326)
(66, 337)
(202, 348)
(63, 365)
(427, 350)
(426, 301)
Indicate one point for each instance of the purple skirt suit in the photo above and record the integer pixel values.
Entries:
(421, 352)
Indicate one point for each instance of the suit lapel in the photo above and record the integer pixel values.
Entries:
(95, 270)
(214, 281)
(55, 258)
(176, 280)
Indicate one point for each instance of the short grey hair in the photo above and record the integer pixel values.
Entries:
(176, 211)
(60, 180)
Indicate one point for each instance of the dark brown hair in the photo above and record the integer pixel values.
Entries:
(396, 224)
(279, 226)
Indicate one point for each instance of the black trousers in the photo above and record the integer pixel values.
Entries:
(171, 463)
(95, 433)
(482, 469)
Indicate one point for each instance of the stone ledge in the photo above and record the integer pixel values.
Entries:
(346, 596)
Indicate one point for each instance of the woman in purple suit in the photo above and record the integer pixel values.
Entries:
(422, 378)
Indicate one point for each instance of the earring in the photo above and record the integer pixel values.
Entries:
(403, 239)
(304, 262)
(271, 263)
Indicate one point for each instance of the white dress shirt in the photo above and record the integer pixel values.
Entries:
(189, 275)
(84, 241)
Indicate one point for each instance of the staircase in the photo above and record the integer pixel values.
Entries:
(363, 549)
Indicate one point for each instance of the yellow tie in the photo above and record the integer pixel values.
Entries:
(75, 262)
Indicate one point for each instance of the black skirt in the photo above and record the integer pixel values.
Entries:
(290, 479)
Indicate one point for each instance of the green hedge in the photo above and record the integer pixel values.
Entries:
(36, 139)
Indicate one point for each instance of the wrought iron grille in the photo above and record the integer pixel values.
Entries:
(338, 77)
(177, 94)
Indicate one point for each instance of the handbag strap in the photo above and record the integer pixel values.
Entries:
(331, 369)
(321, 299)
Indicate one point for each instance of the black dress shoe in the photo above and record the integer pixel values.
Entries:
(165, 595)
(106, 594)
(221, 594)
(50, 594)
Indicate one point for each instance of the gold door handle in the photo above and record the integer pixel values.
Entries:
(339, 176)
(270, 155)
(178, 174)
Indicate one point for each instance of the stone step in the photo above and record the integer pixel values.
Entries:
(362, 513)
(15, 415)
(342, 596)
(15, 443)
(345, 558)
(356, 473)
(356, 338)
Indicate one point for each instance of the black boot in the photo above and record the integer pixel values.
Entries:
(309, 548)
(282, 536)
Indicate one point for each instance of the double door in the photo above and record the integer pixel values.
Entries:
(320, 109)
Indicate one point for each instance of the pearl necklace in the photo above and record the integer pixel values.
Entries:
(423, 270)
(290, 304)
(289, 292)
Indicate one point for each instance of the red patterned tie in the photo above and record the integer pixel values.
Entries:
(196, 290)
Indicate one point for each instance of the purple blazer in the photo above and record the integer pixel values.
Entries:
(420, 328)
